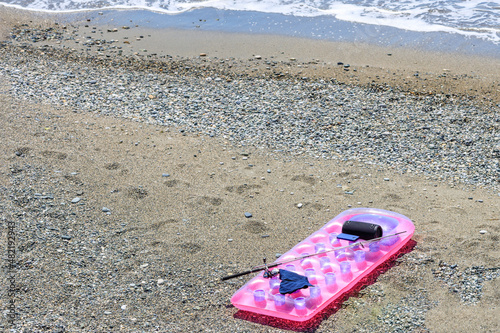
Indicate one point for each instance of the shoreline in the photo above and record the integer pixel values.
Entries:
(406, 69)
(319, 28)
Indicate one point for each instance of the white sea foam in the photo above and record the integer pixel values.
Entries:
(471, 18)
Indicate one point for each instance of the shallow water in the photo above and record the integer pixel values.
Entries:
(474, 19)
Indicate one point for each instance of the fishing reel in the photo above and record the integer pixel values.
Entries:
(269, 273)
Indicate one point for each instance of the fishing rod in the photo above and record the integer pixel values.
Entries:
(267, 266)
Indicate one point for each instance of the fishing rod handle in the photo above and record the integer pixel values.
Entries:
(253, 270)
(238, 275)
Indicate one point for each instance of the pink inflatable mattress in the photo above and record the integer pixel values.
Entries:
(332, 272)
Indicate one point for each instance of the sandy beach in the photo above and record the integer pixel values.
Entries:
(126, 219)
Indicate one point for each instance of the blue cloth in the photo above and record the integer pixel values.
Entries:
(291, 282)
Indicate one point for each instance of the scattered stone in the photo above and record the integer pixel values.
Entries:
(106, 210)
(482, 232)
(299, 205)
(248, 215)
(75, 200)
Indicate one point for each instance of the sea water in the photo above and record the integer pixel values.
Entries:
(383, 21)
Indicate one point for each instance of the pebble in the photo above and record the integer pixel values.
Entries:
(75, 200)
(106, 210)
(165, 175)
(160, 281)
(482, 232)
(248, 215)
(299, 205)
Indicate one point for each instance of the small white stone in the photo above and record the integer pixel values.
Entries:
(123, 307)
(482, 232)
(160, 281)
(299, 205)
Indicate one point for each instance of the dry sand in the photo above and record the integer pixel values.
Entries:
(188, 218)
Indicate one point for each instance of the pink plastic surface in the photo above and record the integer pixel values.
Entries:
(261, 295)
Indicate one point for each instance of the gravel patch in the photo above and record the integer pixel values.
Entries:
(467, 283)
(446, 139)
